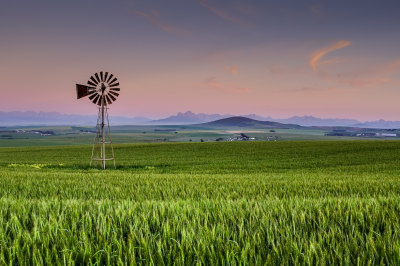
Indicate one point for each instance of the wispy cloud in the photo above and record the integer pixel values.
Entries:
(385, 69)
(234, 70)
(154, 19)
(355, 79)
(364, 82)
(318, 89)
(281, 70)
(372, 76)
(310, 89)
(319, 54)
(213, 83)
(247, 9)
(222, 14)
(389, 68)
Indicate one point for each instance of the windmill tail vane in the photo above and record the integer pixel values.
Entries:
(102, 89)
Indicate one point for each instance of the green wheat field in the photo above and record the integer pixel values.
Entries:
(295, 202)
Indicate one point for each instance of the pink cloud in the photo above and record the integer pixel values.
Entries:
(372, 76)
(154, 19)
(364, 82)
(242, 90)
(319, 54)
(389, 68)
(222, 14)
(213, 83)
(283, 70)
(319, 89)
(247, 9)
(234, 70)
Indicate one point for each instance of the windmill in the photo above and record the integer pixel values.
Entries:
(102, 90)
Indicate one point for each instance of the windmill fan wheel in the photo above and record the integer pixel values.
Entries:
(101, 87)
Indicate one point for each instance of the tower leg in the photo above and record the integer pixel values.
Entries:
(103, 140)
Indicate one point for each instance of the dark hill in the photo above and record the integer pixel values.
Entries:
(239, 121)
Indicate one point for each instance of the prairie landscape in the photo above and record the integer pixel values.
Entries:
(201, 132)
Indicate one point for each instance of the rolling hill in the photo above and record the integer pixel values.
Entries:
(244, 122)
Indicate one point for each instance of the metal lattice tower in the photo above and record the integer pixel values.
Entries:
(102, 139)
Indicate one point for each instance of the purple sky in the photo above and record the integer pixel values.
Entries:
(272, 58)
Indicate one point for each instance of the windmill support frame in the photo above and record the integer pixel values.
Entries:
(102, 138)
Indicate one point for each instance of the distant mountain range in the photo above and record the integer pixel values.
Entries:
(315, 121)
(379, 124)
(189, 118)
(31, 118)
(192, 118)
(53, 118)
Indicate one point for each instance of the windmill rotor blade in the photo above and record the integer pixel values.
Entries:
(101, 76)
(92, 96)
(100, 100)
(91, 91)
(112, 81)
(115, 89)
(97, 77)
(94, 81)
(96, 98)
(91, 83)
(114, 85)
(112, 97)
(105, 76)
(108, 99)
(110, 77)
(114, 93)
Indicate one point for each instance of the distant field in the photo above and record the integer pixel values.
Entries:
(319, 202)
(147, 134)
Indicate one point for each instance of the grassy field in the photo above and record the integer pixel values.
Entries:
(70, 135)
(312, 202)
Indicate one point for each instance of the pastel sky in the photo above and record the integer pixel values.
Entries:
(337, 59)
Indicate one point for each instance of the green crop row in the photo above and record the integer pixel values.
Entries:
(330, 231)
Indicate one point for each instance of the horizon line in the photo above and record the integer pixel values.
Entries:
(225, 114)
